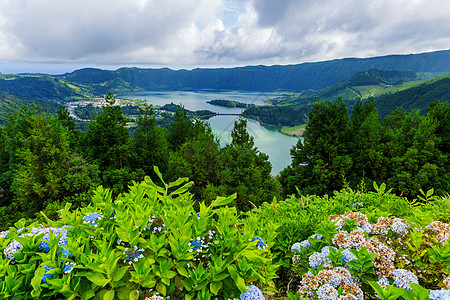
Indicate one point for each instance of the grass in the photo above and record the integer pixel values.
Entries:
(294, 131)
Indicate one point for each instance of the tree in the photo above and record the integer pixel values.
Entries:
(106, 139)
(322, 159)
(365, 146)
(245, 171)
(150, 147)
(47, 173)
(181, 130)
(197, 158)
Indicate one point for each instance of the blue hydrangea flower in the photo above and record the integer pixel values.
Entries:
(92, 218)
(4, 234)
(65, 253)
(439, 294)
(43, 246)
(196, 245)
(402, 278)
(47, 268)
(299, 246)
(68, 267)
(383, 282)
(11, 249)
(347, 256)
(315, 260)
(260, 242)
(252, 292)
(133, 255)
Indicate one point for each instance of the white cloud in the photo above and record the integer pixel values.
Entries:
(217, 32)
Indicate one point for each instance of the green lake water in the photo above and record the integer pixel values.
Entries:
(267, 139)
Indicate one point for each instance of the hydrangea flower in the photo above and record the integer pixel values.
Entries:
(68, 267)
(4, 234)
(11, 249)
(327, 292)
(347, 256)
(133, 255)
(383, 282)
(92, 218)
(439, 295)
(252, 292)
(319, 258)
(43, 246)
(44, 278)
(65, 253)
(260, 242)
(402, 278)
(399, 226)
(299, 246)
(196, 245)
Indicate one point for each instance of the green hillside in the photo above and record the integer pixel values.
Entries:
(418, 96)
(10, 103)
(388, 89)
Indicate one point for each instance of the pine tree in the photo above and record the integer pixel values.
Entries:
(150, 147)
(322, 159)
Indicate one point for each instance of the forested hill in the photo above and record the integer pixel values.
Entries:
(317, 75)
(416, 97)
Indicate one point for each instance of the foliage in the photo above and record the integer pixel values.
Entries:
(405, 150)
(149, 240)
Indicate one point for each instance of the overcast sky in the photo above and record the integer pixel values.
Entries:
(56, 36)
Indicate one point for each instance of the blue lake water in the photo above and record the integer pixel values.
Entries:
(268, 139)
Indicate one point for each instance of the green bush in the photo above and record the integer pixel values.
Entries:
(147, 241)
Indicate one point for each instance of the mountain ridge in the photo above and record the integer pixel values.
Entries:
(298, 77)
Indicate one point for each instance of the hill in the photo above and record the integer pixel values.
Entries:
(387, 87)
(306, 76)
(418, 96)
(10, 103)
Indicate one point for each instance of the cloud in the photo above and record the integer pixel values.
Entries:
(218, 32)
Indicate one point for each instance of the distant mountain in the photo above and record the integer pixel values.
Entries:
(306, 76)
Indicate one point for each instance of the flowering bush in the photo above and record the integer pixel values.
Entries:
(148, 243)
(390, 252)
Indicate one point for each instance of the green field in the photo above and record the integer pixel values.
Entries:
(294, 131)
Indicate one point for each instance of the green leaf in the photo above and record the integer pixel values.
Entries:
(119, 273)
(109, 295)
(156, 169)
(88, 294)
(98, 279)
(215, 287)
(36, 282)
(223, 201)
(182, 189)
(161, 288)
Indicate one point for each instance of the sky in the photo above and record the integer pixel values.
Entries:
(58, 36)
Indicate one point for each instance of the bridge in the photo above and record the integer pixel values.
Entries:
(219, 114)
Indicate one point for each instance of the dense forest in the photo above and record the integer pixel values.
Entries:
(46, 162)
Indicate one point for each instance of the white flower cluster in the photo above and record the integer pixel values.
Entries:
(348, 240)
(319, 258)
(361, 220)
(442, 229)
(399, 226)
(15, 246)
(402, 278)
(326, 283)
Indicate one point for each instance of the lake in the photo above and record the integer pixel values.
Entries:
(268, 139)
